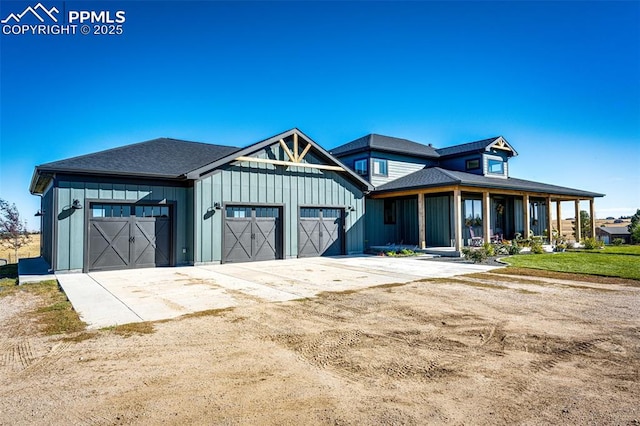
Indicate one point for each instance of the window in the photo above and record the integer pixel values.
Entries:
(126, 210)
(360, 166)
(238, 212)
(472, 212)
(389, 212)
(110, 210)
(152, 211)
(473, 164)
(379, 167)
(496, 167)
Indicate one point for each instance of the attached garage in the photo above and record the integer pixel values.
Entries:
(252, 233)
(169, 202)
(125, 236)
(320, 231)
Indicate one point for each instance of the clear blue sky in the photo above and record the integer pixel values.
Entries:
(560, 81)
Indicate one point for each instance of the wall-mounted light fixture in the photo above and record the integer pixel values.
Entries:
(76, 204)
(216, 206)
(351, 208)
(39, 213)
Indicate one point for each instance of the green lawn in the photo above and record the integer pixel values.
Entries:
(608, 262)
(624, 249)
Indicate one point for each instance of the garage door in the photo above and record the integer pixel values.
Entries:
(252, 233)
(128, 236)
(320, 232)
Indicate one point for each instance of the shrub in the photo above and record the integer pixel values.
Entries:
(617, 241)
(407, 252)
(536, 245)
(513, 248)
(478, 255)
(591, 243)
(488, 248)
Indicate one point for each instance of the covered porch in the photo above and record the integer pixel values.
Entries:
(455, 216)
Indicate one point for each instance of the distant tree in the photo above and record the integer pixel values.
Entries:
(634, 227)
(13, 232)
(585, 225)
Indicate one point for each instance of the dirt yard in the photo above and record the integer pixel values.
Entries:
(487, 349)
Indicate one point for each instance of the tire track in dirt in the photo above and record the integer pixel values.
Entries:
(49, 359)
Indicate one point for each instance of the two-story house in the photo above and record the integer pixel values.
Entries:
(452, 196)
(169, 202)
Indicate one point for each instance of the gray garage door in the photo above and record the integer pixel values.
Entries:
(128, 236)
(320, 232)
(252, 233)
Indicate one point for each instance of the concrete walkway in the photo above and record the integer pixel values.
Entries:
(118, 297)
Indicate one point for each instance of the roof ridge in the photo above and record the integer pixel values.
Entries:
(447, 172)
(468, 143)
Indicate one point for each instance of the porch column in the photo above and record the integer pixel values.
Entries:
(457, 219)
(559, 218)
(549, 220)
(486, 217)
(592, 212)
(527, 219)
(422, 232)
(577, 222)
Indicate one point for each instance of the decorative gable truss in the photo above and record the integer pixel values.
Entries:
(290, 151)
(500, 144)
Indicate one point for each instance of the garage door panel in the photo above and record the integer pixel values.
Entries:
(331, 241)
(252, 233)
(309, 230)
(237, 240)
(320, 232)
(128, 241)
(151, 244)
(265, 234)
(109, 246)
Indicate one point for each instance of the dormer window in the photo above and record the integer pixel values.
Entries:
(495, 167)
(380, 167)
(360, 167)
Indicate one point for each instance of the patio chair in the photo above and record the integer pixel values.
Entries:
(497, 237)
(475, 241)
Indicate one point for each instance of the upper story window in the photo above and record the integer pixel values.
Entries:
(360, 166)
(380, 167)
(496, 167)
(472, 164)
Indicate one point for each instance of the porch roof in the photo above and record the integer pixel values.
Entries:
(434, 177)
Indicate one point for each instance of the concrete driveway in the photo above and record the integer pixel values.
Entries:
(118, 297)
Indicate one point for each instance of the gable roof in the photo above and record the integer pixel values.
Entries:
(166, 158)
(163, 157)
(387, 144)
(615, 230)
(253, 148)
(477, 146)
(429, 177)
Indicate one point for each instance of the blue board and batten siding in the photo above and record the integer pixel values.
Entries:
(71, 227)
(266, 184)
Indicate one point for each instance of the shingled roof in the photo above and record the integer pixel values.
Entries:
(430, 177)
(477, 146)
(163, 157)
(387, 144)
